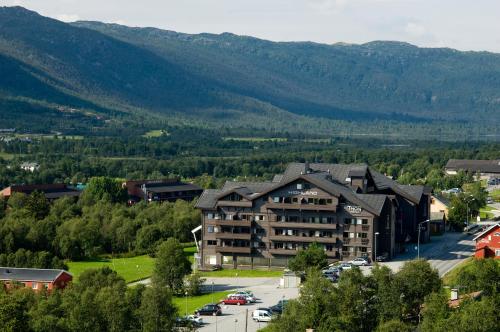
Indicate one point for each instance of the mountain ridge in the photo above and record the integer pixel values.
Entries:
(225, 78)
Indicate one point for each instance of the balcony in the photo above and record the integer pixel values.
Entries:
(302, 225)
(234, 250)
(236, 236)
(222, 222)
(290, 252)
(365, 228)
(297, 206)
(306, 239)
(235, 203)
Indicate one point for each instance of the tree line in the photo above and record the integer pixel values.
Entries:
(32, 231)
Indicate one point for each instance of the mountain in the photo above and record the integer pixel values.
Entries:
(118, 72)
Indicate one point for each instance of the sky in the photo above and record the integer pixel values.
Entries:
(460, 24)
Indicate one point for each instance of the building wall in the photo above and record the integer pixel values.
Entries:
(438, 206)
(489, 244)
(269, 231)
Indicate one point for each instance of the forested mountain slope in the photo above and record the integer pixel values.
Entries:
(223, 79)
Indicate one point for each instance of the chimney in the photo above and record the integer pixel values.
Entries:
(307, 169)
(454, 294)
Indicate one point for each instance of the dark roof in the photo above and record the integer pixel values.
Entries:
(25, 274)
(253, 187)
(489, 229)
(172, 188)
(442, 199)
(208, 198)
(484, 166)
(330, 177)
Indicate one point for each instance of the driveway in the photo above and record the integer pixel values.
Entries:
(233, 318)
(442, 252)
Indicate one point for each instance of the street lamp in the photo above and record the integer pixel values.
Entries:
(212, 292)
(186, 293)
(467, 203)
(418, 237)
(376, 235)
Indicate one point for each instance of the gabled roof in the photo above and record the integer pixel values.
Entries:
(26, 274)
(254, 187)
(487, 231)
(208, 198)
(442, 199)
(485, 166)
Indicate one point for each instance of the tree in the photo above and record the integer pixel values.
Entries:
(394, 326)
(171, 265)
(414, 282)
(193, 284)
(157, 312)
(480, 275)
(387, 297)
(435, 313)
(38, 205)
(316, 308)
(312, 257)
(103, 188)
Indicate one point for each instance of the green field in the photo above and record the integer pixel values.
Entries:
(131, 269)
(155, 133)
(7, 156)
(256, 139)
(242, 274)
(197, 302)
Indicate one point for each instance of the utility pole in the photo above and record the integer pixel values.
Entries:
(246, 320)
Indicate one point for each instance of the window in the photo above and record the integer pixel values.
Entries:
(227, 259)
(497, 252)
(362, 249)
(211, 243)
(34, 285)
(295, 200)
(210, 259)
(364, 221)
(345, 235)
(276, 199)
(210, 229)
(210, 216)
(362, 235)
(300, 186)
(351, 235)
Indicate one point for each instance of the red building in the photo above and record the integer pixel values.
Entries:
(488, 243)
(37, 279)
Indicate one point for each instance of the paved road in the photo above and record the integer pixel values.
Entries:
(233, 318)
(443, 252)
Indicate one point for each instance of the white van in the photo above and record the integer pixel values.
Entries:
(261, 316)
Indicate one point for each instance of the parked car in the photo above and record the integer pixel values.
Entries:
(238, 300)
(345, 266)
(209, 309)
(278, 308)
(360, 261)
(261, 315)
(247, 295)
(189, 321)
(382, 258)
(332, 270)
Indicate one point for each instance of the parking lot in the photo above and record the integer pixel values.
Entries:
(267, 292)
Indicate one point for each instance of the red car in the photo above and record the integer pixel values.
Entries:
(238, 300)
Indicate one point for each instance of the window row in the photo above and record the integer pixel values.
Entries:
(353, 235)
(308, 220)
(303, 233)
(303, 200)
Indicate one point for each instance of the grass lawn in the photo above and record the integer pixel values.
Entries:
(242, 274)
(197, 302)
(484, 212)
(131, 269)
(495, 194)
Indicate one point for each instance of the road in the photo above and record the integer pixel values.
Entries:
(443, 252)
(233, 318)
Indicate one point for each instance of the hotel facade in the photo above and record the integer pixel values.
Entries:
(350, 210)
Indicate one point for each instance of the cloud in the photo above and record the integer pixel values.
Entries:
(415, 29)
(328, 5)
(68, 17)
